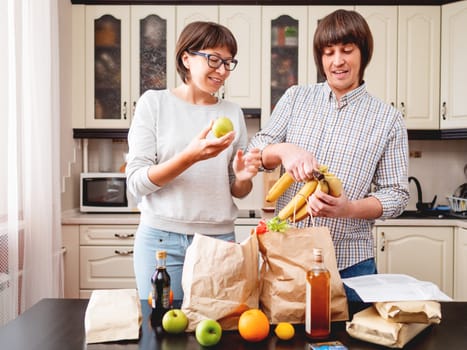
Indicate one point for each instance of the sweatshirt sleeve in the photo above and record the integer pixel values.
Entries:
(142, 147)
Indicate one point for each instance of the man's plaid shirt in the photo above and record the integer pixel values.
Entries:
(361, 139)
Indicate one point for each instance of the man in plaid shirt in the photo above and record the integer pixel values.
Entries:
(360, 138)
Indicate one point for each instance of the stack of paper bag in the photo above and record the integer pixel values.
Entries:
(394, 324)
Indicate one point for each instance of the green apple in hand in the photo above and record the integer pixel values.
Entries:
(222, 126)
(174, 321)
(208, 332)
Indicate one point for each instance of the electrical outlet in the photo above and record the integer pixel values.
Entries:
(415, 154)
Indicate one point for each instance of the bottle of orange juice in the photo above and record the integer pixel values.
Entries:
(318, 298)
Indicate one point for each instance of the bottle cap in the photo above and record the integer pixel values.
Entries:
(318, 255)
(317, 251)
(161, 254)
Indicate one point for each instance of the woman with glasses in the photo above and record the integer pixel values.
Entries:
(185, 177)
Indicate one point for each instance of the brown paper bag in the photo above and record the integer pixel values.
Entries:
(369, 326)
(423, 311)
(287, 258)
(220, 280)
(112, 315)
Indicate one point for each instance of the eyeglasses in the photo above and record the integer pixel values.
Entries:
(215, 61)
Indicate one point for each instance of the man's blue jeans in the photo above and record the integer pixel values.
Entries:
(366, 267)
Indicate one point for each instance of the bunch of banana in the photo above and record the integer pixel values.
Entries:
(295, 210)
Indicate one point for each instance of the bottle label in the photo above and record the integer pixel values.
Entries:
(308, 309)
(166, 297)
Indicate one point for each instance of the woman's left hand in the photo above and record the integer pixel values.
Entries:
(246, 165)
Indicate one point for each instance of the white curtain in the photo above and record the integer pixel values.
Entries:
(30, 236)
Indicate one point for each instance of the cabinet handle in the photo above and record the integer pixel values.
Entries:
(134, 108)
(125, 236)
(392, 104)
(124, 110)
(443, 111)
(383, 241)
(124, 252)
(403, 109)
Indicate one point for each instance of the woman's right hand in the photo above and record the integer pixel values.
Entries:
(202, 148)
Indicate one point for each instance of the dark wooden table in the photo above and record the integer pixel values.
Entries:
(58, 324)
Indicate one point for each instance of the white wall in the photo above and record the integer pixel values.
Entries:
(69, 154)
(440, 169)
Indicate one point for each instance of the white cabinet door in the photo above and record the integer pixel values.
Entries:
(418, 66)
(106, 256)
(425, 253)
(70, 241)
(284, 63)
(244, 84)
(106, 267)
(107, 57)
(453, 67)
(460, 265)
(107, 234)
(381, 73)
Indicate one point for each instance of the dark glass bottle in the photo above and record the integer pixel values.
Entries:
(160, 281)
(318, 299)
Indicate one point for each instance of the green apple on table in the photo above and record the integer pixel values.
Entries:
(208, 332)
(174, 321)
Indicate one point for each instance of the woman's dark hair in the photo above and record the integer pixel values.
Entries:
(343, 27)
(202, 35)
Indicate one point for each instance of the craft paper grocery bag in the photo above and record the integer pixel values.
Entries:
(220, 280)
(112, 315)
(287, 258)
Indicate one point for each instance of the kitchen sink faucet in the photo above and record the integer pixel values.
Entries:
(421, 206)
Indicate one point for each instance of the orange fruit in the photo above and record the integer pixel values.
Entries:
(253, 325)
(284, 330)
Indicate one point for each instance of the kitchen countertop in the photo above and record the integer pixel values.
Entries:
(74, 217)
(57, 324)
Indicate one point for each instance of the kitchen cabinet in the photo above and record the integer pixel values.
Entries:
(285, 45)
(453, 109)
(98, 257)
(423, 252)
(121, 51)
(70, 242)
(106, 257)
(124, 50)
(244, 84)
(460, 264)
(381, 72)
(418, 65)
(404, 69)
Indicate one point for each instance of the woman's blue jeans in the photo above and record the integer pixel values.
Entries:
(147, 241)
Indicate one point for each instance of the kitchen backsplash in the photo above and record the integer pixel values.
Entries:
(440, 168)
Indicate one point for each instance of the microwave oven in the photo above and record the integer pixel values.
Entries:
(105, 193)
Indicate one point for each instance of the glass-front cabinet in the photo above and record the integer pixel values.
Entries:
(285, 47)
(126, 54)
